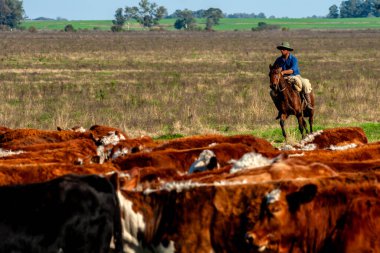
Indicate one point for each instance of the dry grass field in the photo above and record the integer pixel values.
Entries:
(162, 83)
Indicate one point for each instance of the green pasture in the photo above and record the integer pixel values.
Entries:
(60, 24)
(226, 24)
(274, 135)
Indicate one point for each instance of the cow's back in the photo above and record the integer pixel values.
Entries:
(67, 214)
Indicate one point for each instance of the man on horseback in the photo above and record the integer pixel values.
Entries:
(289, 64)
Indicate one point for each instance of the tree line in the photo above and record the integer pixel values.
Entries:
(355, 9)
(149, 13)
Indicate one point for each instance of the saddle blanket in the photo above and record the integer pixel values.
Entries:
(300, 83)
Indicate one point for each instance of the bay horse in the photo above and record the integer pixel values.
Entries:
(288, 101)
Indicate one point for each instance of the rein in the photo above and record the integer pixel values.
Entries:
(281, 90)
(287, 95)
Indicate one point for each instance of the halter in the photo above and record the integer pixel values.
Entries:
(277, 77)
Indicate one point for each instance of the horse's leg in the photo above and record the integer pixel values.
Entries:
(282, 124)
(311, 119)
(274, 95)
(304, 125)
(300, 125)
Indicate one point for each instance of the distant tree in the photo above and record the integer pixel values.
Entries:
(212, 15)
(199, 13)
(119, 21)
(333, 12)
(147, 14)
(261, 15)
(185, 20)
(359, 8)
(119, 18)
(11, 13)
(376, 8)
(174, 14)
(345, 9)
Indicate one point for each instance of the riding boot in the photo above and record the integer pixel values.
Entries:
(308, 101)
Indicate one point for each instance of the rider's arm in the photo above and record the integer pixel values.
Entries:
(287, 72)
(293, 68)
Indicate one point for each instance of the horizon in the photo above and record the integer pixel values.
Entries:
(103, 10)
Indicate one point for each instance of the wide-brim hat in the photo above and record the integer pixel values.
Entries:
(285, 45)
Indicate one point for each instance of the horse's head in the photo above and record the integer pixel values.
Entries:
(274, 77)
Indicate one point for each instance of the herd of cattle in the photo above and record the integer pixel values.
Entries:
(98, 190)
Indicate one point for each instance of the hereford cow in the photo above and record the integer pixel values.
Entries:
(181, 160)
(256, 144)
(315, 218)
(67, 214)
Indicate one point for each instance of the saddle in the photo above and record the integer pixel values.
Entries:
(295, 82)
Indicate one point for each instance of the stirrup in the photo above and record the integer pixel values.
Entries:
(309, 106)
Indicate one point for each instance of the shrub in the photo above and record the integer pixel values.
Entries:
(264, 26)
(116, 28)
(32, 29)
(69, 28)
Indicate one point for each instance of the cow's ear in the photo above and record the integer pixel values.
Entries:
(270, 66)
(303, 196)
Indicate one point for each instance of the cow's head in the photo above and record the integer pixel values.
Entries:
(277, 225)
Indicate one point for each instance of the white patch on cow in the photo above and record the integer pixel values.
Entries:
(305, 144)
(250, 160)
(102, 154)
(310, 137)
(79, 129)
(287, 147)
(262, 248)
(132, 223)
(180, 186)
(120, 152)
(4, 153)
(340, 148)
(273, 196)
(112, 138)
(213, 144)
(224, 182)
(187, 185)
(203, 160)
(296, 155)
(309, 147)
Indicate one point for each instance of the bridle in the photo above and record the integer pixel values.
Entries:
(275, 77)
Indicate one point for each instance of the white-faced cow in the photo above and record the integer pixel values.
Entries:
(319, 219)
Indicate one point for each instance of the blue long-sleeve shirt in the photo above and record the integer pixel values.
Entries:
(290, 63)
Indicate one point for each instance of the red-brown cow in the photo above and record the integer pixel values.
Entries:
(315, 218)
